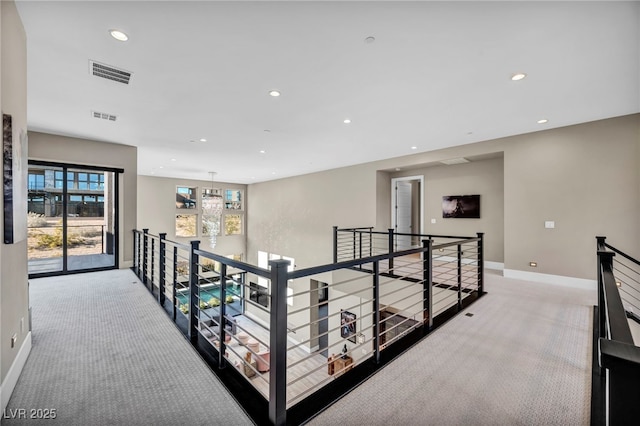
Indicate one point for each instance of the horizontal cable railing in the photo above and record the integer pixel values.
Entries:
(616, 378)
(286, 340)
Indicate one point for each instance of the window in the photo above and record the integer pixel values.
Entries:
(96, 181)
(185, 197)
(83, 181)
(233, 199)
(186, 225)
(36, 181)
(58, 179)
(233, 224)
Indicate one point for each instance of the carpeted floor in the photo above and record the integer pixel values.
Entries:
(523, 358)
(104, 353)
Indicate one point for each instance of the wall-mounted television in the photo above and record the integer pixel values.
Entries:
(461, 206)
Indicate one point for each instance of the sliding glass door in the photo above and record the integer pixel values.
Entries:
(72, 218)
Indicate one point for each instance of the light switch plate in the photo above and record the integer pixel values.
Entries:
(433, 221)
(549, 224)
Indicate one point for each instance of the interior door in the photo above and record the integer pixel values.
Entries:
(403, 208)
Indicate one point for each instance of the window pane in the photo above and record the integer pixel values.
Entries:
(233, 224)
(186, 225)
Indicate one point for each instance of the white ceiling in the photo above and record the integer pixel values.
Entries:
(437, 75)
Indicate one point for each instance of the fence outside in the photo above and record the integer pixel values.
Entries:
(310, 337)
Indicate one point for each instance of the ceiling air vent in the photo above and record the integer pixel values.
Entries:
(109, 72)
(104, 116)
(452, 161)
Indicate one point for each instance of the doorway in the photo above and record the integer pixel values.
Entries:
(72, 218)
(406, 210)
(319, 317)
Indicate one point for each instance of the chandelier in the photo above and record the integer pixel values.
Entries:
(211, 212)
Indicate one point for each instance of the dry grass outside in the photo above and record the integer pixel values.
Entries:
(44, 237)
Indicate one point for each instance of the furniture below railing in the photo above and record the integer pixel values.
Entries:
(616, 372)
(292, 350)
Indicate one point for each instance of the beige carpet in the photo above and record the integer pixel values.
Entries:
(523, 358)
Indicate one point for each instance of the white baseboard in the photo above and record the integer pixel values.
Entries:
(551, 279)
(497, 266)
(9, 383)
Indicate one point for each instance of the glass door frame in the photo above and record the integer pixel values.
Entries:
(116, 220)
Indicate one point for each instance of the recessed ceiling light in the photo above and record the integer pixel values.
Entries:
(369, 39)
(398, 169)
(203, 140)
(119, 35)
(544, 120)
(347, 121)
(161, 167)
(414, 147)
(274, 93)
(173, 159)
(518, 76)
(262, 151)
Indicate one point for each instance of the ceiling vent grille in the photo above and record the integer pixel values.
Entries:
(109, 72)
(103, 116)
(452, 161)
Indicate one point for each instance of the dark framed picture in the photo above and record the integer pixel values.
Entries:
(348, 326)
(13, 164)
(461, 206)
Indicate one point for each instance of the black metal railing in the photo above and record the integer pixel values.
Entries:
(291, 350)
(616, 380)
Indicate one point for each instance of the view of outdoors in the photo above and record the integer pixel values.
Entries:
(88, 230)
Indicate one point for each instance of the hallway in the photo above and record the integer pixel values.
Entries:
(524, 357)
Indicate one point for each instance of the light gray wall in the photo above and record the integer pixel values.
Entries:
(584, 177)
(483, 177)
(64, 149)
(14, 292)
(157, 211)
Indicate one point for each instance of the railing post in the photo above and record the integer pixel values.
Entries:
(459, 276)
(335, 244)
(194, 293)
(480, 263)
(163, 262)
(221, 316)
(622, 360)
(145, 252)
(153, 263)
(354, 243)
(136, 252)
(360, 235)
(371, 241)
(376, 311)
(278, 343)
(427, 282)
(601, 307)
(390, 249)
(174, 293)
